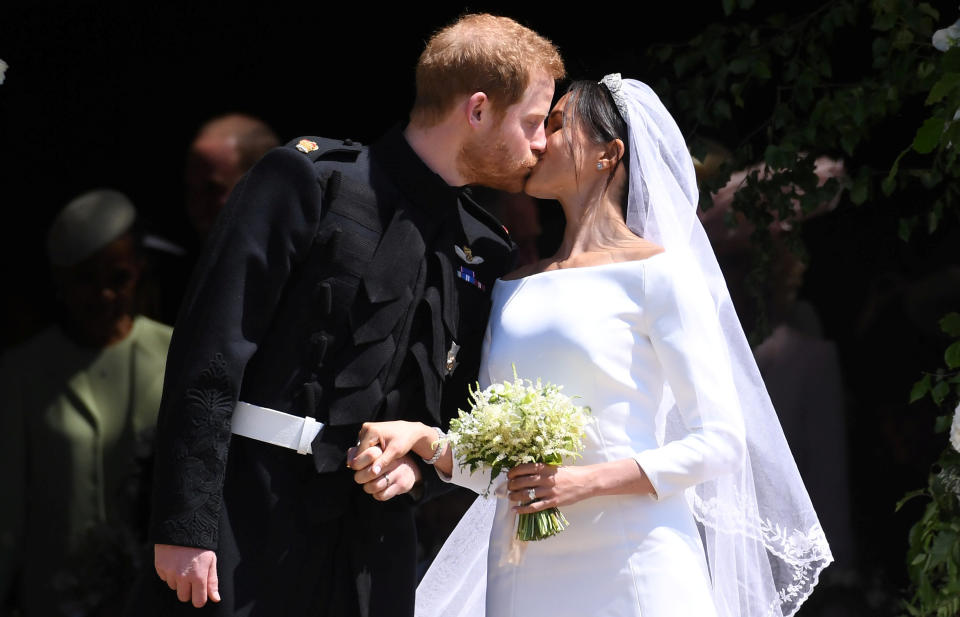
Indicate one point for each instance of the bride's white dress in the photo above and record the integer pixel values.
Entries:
(613, 335)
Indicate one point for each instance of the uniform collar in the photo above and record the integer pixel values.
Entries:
(419, 184)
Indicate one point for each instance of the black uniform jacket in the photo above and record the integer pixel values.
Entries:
(347, 283)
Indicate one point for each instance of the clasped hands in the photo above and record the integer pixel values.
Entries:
(382, 464)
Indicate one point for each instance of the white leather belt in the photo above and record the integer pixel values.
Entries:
(276, 427)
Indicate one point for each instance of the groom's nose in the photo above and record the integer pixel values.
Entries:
(539, 142)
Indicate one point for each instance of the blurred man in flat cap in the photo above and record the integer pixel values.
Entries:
(78, 406)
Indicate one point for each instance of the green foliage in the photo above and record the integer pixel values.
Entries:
(933, 557)
(838, 79)
(831, 81)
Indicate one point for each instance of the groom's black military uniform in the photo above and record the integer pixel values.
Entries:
(341, 282)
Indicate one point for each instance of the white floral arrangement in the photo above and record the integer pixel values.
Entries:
(516, 422)
(945, 38)
(955, 429)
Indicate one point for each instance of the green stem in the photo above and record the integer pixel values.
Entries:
(540, 525)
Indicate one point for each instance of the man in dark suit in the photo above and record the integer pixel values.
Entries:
(341, 284)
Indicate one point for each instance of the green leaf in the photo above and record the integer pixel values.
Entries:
(905, 228)
(859, 190)
(950, 61)
(762, 70)
(739, 65)
(942, 544)
(728, 6)
(952, 355)
(737, 91)
(722, 109)
(883, 21)
(920, 389)
(950, 324)
(928, 135)
(942, 88)
(940, 391)
(942, 424)
(908, 497)
(928, 10)
(902, 39)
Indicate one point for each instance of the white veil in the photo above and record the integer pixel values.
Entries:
(764, 545)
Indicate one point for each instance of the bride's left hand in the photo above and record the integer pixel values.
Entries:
(552, 485)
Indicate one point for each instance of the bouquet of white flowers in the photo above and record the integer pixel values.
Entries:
(518, 422)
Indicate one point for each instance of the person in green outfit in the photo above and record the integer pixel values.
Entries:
(78, 407)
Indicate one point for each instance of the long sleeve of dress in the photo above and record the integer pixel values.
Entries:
(686, 335)
(267, 226)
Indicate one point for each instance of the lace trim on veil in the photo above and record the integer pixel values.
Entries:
(806, 552)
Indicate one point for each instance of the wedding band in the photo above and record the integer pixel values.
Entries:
(531, 493)
(387, 478)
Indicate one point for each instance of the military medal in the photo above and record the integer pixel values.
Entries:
(306, 146)
(467, 255)
(469, 276)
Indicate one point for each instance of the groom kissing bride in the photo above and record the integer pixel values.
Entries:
(342, 284)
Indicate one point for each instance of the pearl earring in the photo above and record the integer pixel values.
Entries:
(599, 165)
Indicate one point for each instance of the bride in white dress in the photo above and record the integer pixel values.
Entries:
(687, 500)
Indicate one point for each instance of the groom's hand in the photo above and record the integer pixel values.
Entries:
(383, 481)
(191, 572)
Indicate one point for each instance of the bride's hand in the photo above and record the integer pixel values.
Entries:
(382, 443)
(393, 439)
(552, 485)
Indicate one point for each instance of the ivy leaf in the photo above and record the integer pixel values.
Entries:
(942, 424)
(722, 110)
(920, 389)
(905, 228)
(736, 90)
(942, 88)
(909, 496)
(903, 39)
(883, 21)
(928, 10)
(928, 135)
(860, 187)
(762, 70)
(942, 389)
(950, 324)
(952, 355)
(739, 65)
(942, 545)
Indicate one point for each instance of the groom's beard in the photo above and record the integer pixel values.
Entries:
(489, 163)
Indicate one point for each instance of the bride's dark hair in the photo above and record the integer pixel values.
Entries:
(596, 113)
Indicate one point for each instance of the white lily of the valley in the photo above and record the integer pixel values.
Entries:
(955, 429)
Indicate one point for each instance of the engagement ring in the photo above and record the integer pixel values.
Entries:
(532, 493)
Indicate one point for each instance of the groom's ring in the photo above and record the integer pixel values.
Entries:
(531, 493)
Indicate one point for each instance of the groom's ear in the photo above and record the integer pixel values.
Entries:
(478, 109)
